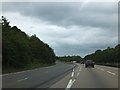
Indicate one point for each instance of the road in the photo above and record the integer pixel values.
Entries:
(37, 78)
(98, 77)
(64, 76)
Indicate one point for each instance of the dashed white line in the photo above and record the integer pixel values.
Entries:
(70, 84)
(72, 74)
(111, 73)
(22, 79)
(71, 81)
(74, 80)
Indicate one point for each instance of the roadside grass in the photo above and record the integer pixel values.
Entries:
(28, 67)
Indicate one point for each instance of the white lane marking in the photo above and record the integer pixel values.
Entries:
(73, 70)
(111, 73)
(72, 74)
(70, 84)
(102, 69)
(74, 80)
(78, 74)
(22, 79)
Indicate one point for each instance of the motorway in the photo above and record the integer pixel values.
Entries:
(98, 77)
(63, 76)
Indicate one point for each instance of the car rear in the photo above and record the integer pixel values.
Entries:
(89, 63)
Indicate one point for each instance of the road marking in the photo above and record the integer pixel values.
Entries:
(73, 70)
(70, 84)
(72, 74)
(22, 79)
(111, 73)
(78, 74)
(74, 80)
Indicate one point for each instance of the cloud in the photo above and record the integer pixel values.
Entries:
(69, 28)
(68, 13)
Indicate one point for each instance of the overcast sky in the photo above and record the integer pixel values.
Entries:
(69, 28)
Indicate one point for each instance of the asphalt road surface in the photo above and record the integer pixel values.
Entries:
(98, 77)
(64, 76)
(37, 78)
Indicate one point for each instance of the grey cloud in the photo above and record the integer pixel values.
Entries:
(66, 14)
(78, 28)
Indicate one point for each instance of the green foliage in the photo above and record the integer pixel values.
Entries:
(20, 50)
(109, 55)
(70, 58)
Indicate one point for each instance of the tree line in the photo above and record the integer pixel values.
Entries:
(69, 58)
(109, 55)
(20, 50)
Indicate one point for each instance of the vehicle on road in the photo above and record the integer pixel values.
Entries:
(89, 63)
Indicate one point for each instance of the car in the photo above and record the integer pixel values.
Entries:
(89, 63)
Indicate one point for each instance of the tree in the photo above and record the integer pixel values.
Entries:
(5, 22)
(21, 50)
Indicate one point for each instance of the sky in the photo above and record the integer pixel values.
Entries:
(70, 28)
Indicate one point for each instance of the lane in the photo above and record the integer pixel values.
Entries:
(79, 77)
(35, 78)
(97, 77)
(107, 68)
